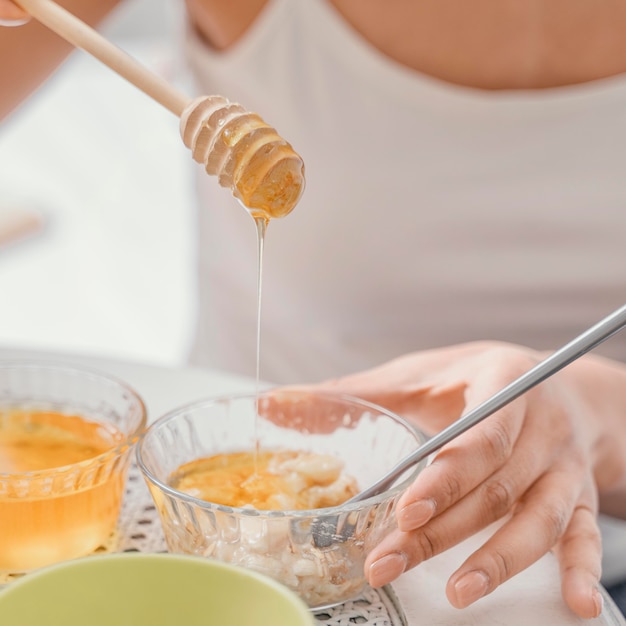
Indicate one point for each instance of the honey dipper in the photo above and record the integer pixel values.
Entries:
(246, 154)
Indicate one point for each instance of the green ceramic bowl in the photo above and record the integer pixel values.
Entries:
(134, 589)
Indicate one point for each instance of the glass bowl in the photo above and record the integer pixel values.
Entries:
(284, 544)
(66, 436)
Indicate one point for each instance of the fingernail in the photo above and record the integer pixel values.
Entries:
(471, 587)
(18, 22)
(598, 600)
(386, 569)
(416, 514)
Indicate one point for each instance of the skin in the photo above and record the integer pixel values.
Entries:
(539, 44)
(34, 51)
(547, 462)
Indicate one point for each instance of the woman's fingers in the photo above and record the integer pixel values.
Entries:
(552, 513)
(531, 463)
(496, 460)
(492, 499)
(465, 464)
(11, 14)
(310, 409)
(579, 552)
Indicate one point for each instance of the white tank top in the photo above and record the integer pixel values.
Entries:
(433, 214)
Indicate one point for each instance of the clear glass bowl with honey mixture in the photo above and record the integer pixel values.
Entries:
(252, 479)
(66, 435)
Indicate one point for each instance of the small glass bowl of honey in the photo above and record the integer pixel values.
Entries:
(253, 480)
(66, 436)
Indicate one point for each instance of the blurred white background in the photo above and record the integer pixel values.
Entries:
(111, 270)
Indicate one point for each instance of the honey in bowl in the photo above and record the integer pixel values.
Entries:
(284, 480)
(352, 436)
(63, 514)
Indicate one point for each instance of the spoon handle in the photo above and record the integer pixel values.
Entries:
(82, 36)
(585, 342)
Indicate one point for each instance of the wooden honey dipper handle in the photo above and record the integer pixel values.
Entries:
(262, 169)
(82, 36)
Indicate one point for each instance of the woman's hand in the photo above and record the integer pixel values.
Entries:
(538, 464)
(31, 53)
(11, 14)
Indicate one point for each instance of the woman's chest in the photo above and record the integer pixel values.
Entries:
(485, 44)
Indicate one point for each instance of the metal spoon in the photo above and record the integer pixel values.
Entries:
(326, 532)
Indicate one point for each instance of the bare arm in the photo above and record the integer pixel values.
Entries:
(30, 53)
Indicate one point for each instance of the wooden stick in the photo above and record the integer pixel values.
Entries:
(82, 36)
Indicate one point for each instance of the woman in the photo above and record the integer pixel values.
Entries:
(464, 181)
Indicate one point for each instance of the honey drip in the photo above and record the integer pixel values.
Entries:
(261, 228)
(267, 176)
